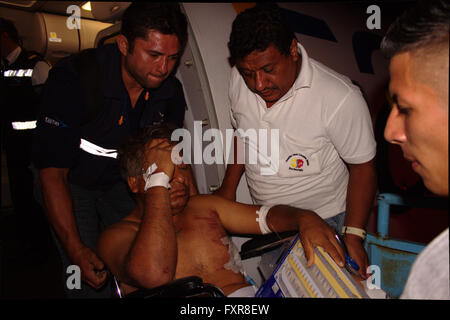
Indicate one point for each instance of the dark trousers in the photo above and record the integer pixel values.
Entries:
(94, 210)
(31, 224)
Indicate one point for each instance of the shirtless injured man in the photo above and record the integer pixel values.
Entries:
(174, 232)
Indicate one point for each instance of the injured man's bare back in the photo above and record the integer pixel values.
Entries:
(168, 237)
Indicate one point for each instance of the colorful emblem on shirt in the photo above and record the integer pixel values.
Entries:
(297, 162)
(121, 120)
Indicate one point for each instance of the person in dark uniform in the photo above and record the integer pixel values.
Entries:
(23, 75)
(79, 177)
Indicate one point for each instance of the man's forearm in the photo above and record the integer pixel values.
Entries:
(286, 218)
(58, 205)
(152, 258)
(233, 173)
(361, 190)
(362, 186)
(283, 218)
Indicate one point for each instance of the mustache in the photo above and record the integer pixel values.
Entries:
(265, 89)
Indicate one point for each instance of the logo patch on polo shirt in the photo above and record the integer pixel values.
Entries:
(56, 123)
(297, 162)
(160, 118)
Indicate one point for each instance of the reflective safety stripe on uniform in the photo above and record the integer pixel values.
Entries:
(97, 150)
(18, 73)
(24, 125)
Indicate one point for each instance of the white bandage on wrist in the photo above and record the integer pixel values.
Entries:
(355, 231)
(262, 214)
(155, 179)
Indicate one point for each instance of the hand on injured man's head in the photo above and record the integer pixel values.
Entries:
(158, 152)
(155, 159)
(179, 193)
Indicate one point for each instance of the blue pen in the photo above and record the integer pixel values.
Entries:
(350, 264)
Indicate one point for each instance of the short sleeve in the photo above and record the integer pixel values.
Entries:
(233, 86)
(233, 91)
(233, 119)
(40, 73)
(350, 129)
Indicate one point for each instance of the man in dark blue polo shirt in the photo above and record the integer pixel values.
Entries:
(79, 177)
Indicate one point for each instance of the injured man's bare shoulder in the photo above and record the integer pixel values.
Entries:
(204, 248)
(173, 232)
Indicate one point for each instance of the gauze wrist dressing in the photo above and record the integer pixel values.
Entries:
(155, 179)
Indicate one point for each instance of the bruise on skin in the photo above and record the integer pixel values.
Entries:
(211, 218)
(166, 270)
(219, 237)
(203, 236)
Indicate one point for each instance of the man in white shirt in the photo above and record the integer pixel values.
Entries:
(326, 142)
(417, 45)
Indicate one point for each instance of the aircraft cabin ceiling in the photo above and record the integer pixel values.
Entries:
(42, 25)
(103, 11)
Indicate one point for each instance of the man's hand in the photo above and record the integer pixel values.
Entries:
(314, 232)
(58, 204)
(357, 252)
(179, 194)
(92, 268)
(159, 152)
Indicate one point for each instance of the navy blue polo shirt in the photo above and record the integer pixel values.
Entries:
(58, 132)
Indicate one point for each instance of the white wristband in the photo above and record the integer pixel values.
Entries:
(355, 231)
(262, 214)
(155, 179)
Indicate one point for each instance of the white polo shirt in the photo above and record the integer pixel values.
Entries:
(321, 119)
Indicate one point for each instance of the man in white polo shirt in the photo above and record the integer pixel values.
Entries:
(326, 141)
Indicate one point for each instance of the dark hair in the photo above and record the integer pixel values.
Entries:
(423, 25)
(131, 154)
(256, 29)
(166, 18)
(9, 27)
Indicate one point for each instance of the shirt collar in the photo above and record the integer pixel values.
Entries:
(304, 78)
(13, 55)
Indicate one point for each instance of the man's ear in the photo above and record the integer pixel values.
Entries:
(122, 43)
(293, 49)
(133, 183)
